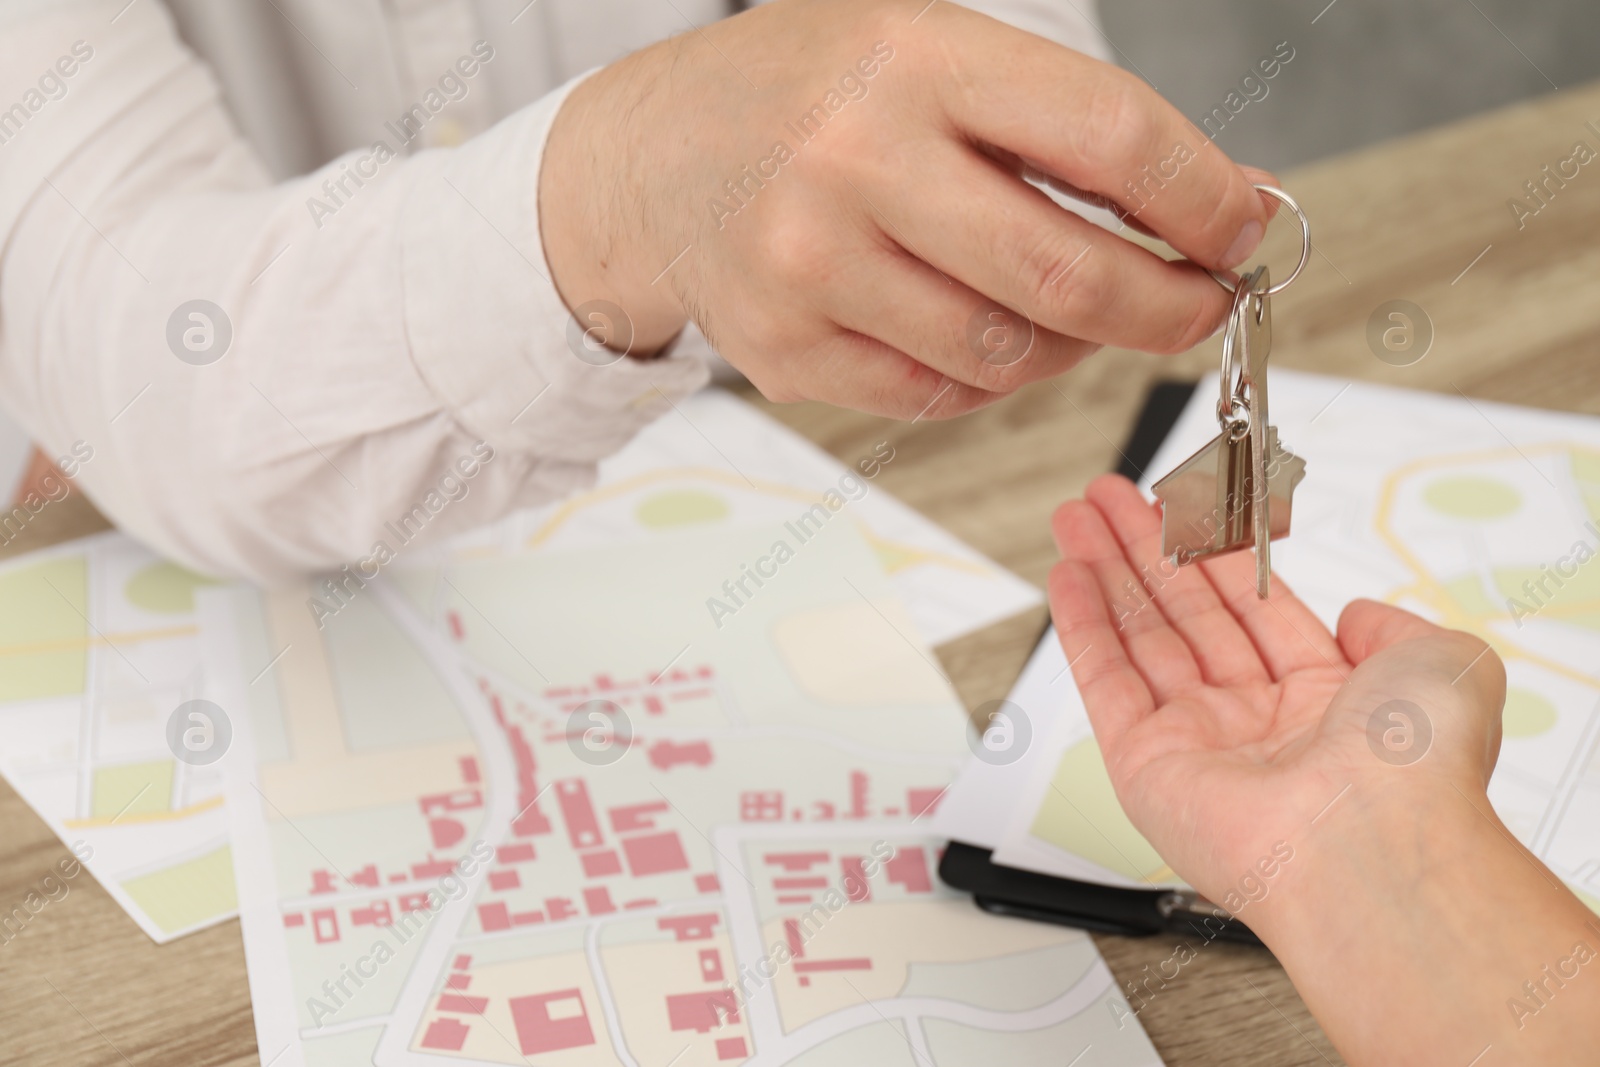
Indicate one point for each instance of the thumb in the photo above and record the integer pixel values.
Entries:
(1444, 671)
(1367, 627)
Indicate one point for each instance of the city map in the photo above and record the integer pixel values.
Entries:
(100, 736)
(98, 647)
(549, 808)
(1479, 516)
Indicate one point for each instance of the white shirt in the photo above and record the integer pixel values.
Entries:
(388, 316)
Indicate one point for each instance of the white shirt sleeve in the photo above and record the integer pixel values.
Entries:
(389, 321)
(1074, 23)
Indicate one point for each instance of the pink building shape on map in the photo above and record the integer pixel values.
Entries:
(550, 1022)
(704, 1011)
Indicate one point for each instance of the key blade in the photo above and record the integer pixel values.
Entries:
(1264, 569)
(1261, 506)
(1256, 337)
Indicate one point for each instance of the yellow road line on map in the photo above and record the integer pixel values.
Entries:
(1432, 591)
(569, 510)
(208, 804)
(623, 488)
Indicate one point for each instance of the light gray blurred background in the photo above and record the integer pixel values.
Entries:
(1363, 71)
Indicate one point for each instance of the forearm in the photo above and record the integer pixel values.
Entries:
(387, 315)
(1421, 932)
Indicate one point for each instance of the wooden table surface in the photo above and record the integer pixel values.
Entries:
(1425, 218)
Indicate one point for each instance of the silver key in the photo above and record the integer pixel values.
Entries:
(1255, 338)
(1238, 489)
(1204, 507)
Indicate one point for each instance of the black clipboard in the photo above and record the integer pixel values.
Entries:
(1090, 905)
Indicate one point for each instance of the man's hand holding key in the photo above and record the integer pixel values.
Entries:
(851, 269)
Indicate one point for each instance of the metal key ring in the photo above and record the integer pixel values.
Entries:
(1232, 412)
(1305, 250)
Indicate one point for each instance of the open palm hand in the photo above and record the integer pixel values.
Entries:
(1228, 723)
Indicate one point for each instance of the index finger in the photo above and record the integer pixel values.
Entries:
(1104, 131)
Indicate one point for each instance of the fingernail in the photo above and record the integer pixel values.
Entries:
(1248, 240)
